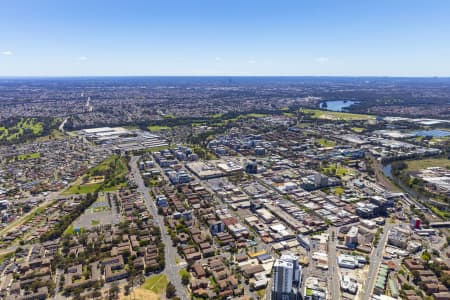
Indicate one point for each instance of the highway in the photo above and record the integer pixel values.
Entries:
(171, 269)
(375, 260)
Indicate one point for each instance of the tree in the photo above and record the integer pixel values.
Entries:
(170, 290)
(185, 278)
(114, 291)
(127, 289)
(426, 256)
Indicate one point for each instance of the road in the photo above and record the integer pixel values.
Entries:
(335, 288)
(375, 260)
(171, 269)
(58, 274)
(61, 127)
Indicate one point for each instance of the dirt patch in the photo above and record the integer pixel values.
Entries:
(141, 294)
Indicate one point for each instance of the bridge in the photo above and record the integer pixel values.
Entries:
(440, 224)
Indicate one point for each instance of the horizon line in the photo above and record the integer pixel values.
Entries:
(228, 75)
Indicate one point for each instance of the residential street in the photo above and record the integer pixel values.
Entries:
(171, 269)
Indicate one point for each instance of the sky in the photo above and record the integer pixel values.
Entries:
(225, 37)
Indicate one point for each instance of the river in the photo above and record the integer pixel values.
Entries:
(387, 170)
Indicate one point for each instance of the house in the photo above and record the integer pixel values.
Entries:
(198, 270)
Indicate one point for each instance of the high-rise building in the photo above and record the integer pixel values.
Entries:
(251, 167)
(287, 276)
(351, 239)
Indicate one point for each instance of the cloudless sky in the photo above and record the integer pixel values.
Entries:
(225, 37)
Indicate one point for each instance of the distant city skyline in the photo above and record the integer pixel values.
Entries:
(225, 38)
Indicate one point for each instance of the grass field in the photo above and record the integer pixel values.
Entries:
(443, 214)
(120, 166)
(184, 272)
(334, 170)
(337, 116)
(114, 163)
(17, 130)
(437, 140)
(357, 129)
(156, 149)
(261, 293)
(341, 171)
(157, 128)
(253, 116)
(216, 116)
(416, 165)
(28, 156)
(3, 132)
(156, 283)
(325, 143)
(5, 256)
(69, 230)
(83, 188)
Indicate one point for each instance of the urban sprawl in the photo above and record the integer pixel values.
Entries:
(212, 198)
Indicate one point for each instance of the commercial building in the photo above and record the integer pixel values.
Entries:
(251, 167)
(349, 285)
(351, 239)
(347, 261)
(416, 223)
(398, 237)
(304, 242)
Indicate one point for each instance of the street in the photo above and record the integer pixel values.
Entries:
(171, 268)
(375, 260)
(335, 288)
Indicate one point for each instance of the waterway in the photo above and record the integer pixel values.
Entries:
(337, 105)
(433, 133)
(387, 170)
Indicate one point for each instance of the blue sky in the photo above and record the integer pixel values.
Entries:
(225, 37)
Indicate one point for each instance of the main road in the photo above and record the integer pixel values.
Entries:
(335, 288)
(171, 268)
(375, 260)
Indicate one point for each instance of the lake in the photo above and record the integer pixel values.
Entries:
(433, 133)
(337, 105)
